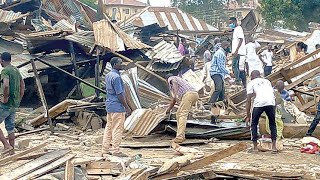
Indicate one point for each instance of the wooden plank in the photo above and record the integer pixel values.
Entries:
(207, 160)
(302, 79)
(164, 144)
(103, 172)
(16, 156)
(291, 73)
(34, 165)
(207, 174)
(42, 96)
(33, 156)
(103, 165)
(140, 66)
(49, 167)
(69, 171)
(33, 131)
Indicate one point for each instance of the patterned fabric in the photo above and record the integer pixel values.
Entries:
(182, 49)
(183, 85)
(218, 65)
(113, 132)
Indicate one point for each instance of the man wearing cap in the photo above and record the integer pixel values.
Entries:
(117, 108)
(13, 87)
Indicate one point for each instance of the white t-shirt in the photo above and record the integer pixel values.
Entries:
(237, 35)
(252, 58)
(207, 56)
(251, 49)
(267, 57)
(264, 92)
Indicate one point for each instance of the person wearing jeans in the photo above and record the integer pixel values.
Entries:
(264, 101)
(315, 122)
(218, 71)
(235, 67)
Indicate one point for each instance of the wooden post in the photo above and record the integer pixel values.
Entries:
(41, 93)
(75, 67)
(97, 73)
(69, 171)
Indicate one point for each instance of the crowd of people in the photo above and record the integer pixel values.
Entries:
(245, 63)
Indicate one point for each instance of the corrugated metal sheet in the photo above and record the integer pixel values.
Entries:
(112, 37)
(63, 25)
(68, 9)
(10, 16)
(143, 121)
(85, 38)
(172, 17)
(165, 56)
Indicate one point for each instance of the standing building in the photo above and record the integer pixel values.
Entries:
(121, 10)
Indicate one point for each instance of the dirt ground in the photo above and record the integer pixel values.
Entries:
(87, 145)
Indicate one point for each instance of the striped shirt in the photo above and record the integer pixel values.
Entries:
(218, 63)
(183, 85)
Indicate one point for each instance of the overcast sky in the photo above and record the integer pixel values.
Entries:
(165, 3)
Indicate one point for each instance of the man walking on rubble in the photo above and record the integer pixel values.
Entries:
(267, 57)
(316, 119)
(238, 51)
(13, 90)
(218, 72)
(264, 101)
(188, 96)
(117, 108)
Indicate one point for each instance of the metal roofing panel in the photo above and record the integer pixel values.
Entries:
(149, 18)
(110, 36)
(10, 16)
(85, 38)
(176, 21)
(172, 17)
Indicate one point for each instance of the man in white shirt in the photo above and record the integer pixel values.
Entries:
(253, 61)
(238, 50)
(264, 101)
(267, 57)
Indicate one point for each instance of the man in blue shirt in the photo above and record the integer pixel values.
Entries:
(218, 71)
(117, 108)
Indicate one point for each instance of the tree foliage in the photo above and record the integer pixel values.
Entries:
(91, 3)
(294, 14)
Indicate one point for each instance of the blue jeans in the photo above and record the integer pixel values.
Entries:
(267, 70)
(8, 115)
(235, 68)
(256, 114)
(315, 121)
(219, 91)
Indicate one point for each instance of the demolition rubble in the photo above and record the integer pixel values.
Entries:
(63, 49)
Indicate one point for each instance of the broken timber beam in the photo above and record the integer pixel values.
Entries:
(42, 96)
(69, 171)
(71, 75)
(140, 66)
(207, 160)
(302, 79)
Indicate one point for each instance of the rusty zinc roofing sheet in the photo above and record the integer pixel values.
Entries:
(110, 36)
(10, 16)
(172, 17)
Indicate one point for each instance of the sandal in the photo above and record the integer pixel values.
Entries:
(274, 151)
(253, 151)
(9, 151)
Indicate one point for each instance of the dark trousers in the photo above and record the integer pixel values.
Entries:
(235, 67)
(243, 78)
(315, 122)
(256, 114)
(218, 94)
(267, 70)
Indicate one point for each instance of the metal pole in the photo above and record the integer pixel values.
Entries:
(41, 93)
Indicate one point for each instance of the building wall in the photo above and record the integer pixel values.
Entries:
(123, 12)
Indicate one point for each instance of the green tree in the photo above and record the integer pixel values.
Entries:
(91, 3)
(293, 14)
(211, 11)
